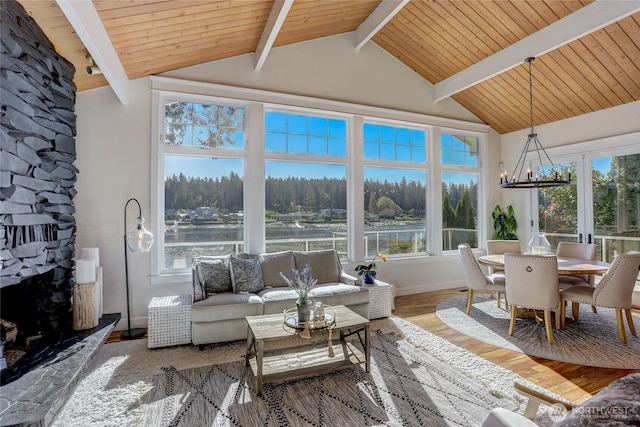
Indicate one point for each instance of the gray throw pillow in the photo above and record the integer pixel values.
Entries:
(214, 274)
(246, 275)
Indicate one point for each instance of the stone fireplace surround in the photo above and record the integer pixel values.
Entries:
(37, 225)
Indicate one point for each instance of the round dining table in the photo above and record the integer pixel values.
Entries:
(566, 266)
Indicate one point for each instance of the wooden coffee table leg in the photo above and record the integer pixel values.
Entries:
(367, 345)
(247, 353)
(259, 354)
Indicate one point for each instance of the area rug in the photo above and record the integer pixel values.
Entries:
(592, 341)
(405, 387)
(126, 385)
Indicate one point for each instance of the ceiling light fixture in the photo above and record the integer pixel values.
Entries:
(555, 178)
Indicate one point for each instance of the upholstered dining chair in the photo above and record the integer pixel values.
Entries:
(476, 280)
(581, 251)
(500, 247)
(615, 290)
(532, 282)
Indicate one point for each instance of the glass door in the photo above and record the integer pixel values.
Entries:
(601, 205)
(616, 204)
(558, 208)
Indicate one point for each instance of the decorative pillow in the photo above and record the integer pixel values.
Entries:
(214, 274)
(325, 264)
(246, 275)
(275, 263)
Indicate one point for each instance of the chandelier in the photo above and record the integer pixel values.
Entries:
(555, 179)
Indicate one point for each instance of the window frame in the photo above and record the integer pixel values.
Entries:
(483, 214)
(256, 102)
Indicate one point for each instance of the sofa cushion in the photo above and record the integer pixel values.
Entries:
(225, 306)
(275, 263)
(246, 275)
(276, 300)
(325, 264)
(213, 273)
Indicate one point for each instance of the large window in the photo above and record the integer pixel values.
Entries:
(459, 190)
(203, 194)
(395, 211)
(395, 179)
(255, 176)
(306, 206)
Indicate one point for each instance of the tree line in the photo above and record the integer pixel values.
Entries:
(295, 194)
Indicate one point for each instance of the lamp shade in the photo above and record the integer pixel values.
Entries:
(140, 239)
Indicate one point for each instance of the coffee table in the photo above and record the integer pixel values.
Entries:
(304, 359)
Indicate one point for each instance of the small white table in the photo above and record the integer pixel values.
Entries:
(381, 296)
(170, 320)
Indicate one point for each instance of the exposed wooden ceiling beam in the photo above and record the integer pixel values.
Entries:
(272, 28)
(584, 21)
(86, 22)
(386, 10)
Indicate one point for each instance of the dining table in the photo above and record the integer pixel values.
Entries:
(566, 266)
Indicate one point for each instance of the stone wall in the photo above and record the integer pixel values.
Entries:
(37, 175)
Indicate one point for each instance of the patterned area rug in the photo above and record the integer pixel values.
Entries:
(592, 341)
(122, 385)
(405, 387)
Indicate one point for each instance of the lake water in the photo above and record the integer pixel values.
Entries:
(189, 241)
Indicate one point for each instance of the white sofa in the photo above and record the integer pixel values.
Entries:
(218, 314)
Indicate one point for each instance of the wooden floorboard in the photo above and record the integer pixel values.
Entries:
(574, 382)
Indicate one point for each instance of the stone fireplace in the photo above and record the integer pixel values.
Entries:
(37, 180)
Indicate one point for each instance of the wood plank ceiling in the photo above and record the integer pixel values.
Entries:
(436, 39)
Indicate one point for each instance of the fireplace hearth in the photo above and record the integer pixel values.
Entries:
(49, 377)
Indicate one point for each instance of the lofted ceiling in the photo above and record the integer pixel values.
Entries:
(472, 51)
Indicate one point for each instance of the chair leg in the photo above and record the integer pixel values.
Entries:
(547, 325)
(621, 331)
(512, 322)
(594, 309)
(575, 310)
(632, 327)
(558, 319)
(563, 314)
(498, 299)
(469, 300)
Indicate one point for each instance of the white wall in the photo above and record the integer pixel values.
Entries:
(113, 149)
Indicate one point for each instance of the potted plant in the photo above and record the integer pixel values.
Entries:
(369, 270)
(302, 282)
(504, 223)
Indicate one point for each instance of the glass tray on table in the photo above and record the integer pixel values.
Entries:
(291, 319)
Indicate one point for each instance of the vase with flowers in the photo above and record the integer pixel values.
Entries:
(302, 281)
(368, 271)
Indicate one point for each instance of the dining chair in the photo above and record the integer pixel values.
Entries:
(615, 290)
(532, 282)
(476, 280)
(500, 247)
(581, 251)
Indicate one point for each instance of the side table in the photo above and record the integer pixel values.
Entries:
(381, 295)
(169, 320)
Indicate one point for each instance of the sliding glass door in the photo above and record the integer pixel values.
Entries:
(601, 205)
(616, 204)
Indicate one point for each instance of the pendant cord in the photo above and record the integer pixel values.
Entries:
(530, 60)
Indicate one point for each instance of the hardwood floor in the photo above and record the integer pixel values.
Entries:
(574, 382)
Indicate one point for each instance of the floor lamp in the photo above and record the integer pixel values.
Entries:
(138, 240)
